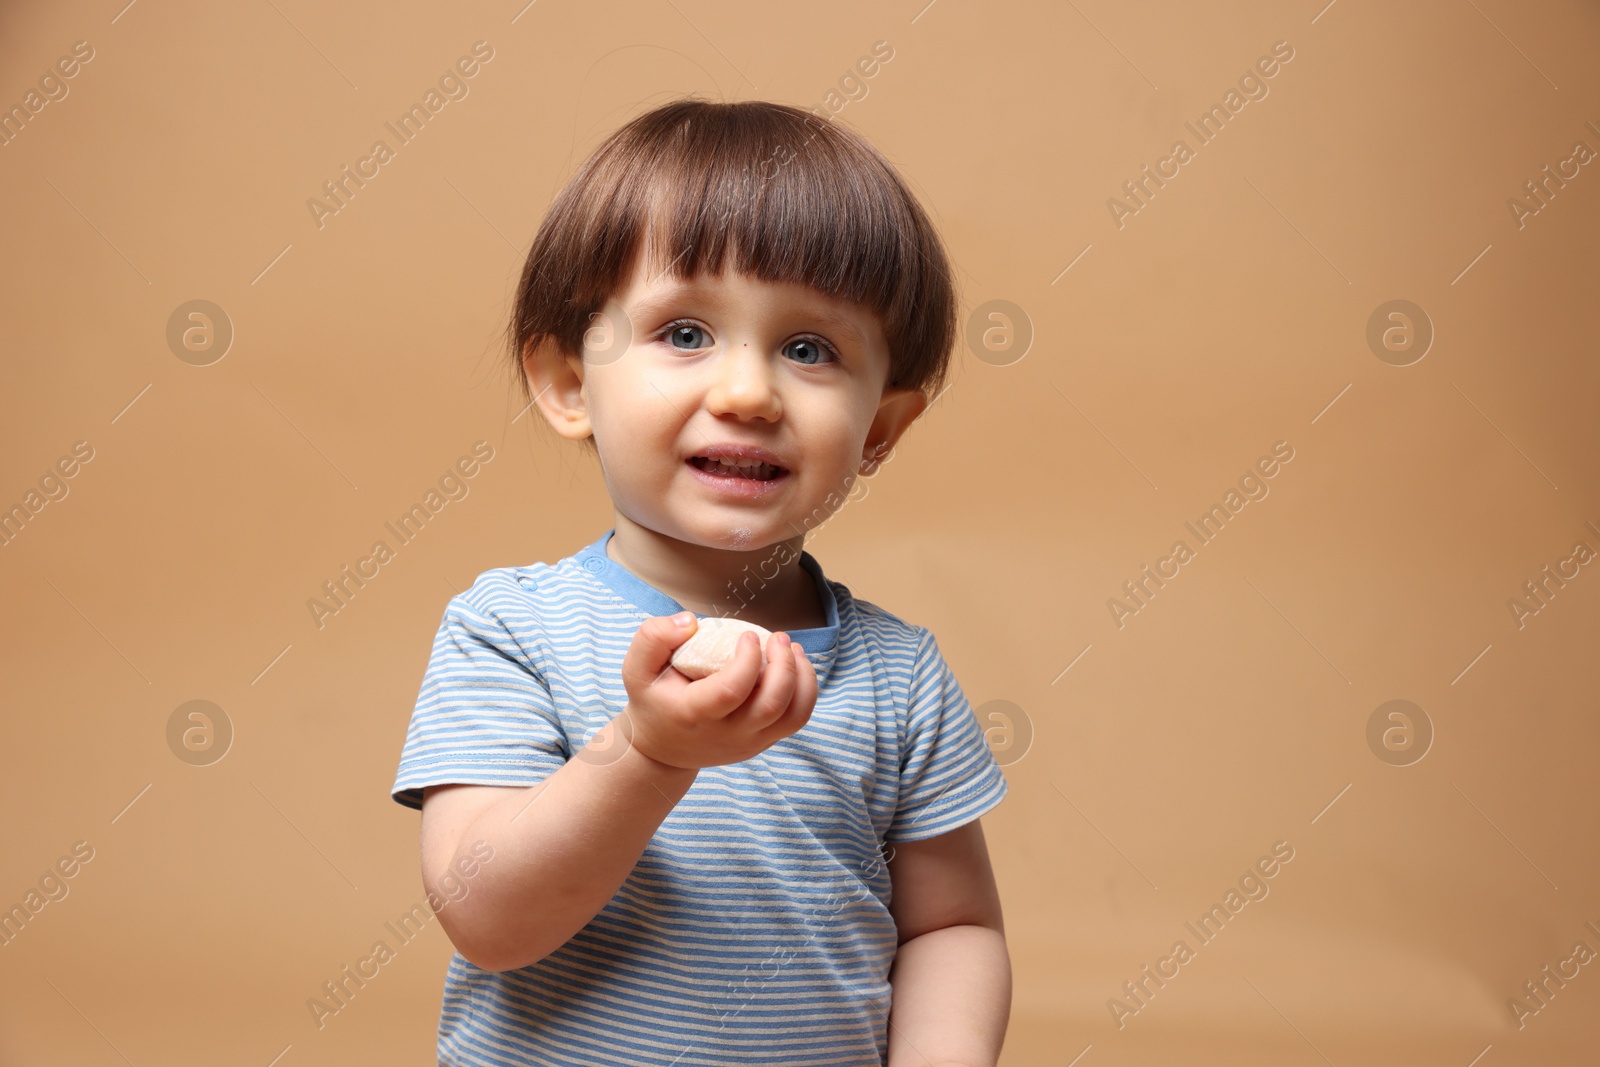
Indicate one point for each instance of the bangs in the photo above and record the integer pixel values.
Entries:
(720, 199)
(754, 188)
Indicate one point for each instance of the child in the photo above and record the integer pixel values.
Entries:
(741, 309)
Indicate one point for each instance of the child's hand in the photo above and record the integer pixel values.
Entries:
(726, 717)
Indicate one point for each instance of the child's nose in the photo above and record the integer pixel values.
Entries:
(744, 385)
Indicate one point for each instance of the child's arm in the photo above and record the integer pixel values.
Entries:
(952, 974)
(563, 847)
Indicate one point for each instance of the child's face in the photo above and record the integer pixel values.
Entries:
(731, 360)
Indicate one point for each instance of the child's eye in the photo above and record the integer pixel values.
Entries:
(811, 351)
(686, 332)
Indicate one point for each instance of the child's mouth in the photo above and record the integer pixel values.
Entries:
(738, 469)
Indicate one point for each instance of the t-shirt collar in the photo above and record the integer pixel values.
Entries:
(592, 557)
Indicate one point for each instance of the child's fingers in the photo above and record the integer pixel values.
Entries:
(716, 695)
(657, 639)
(798, 711)
(805, 689)
(777, 683)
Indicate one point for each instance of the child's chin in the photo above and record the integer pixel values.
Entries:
(730, 535)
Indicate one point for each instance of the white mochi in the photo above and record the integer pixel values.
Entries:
(713, 644)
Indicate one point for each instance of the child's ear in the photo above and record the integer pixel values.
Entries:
(555, 378)
(896, 412)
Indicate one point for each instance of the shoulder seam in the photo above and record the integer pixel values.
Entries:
(472, 602)
(873, 612)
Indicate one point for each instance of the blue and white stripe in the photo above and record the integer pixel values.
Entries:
(755, 927)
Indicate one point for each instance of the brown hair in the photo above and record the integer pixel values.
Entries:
(784, 195)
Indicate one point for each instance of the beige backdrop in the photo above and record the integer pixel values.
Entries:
(1441, 859)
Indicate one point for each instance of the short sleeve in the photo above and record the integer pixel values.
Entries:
(948, 775)
(484, 715)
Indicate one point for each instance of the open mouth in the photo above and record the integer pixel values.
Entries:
(747, 470)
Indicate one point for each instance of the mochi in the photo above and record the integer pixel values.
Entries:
(713, 644)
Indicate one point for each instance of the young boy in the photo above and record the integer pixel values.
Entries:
(741, 309)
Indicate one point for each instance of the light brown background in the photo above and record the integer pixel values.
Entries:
(1225, 316)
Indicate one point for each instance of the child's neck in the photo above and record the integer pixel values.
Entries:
(705, 580)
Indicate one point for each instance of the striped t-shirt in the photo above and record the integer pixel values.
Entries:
(755, 928)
